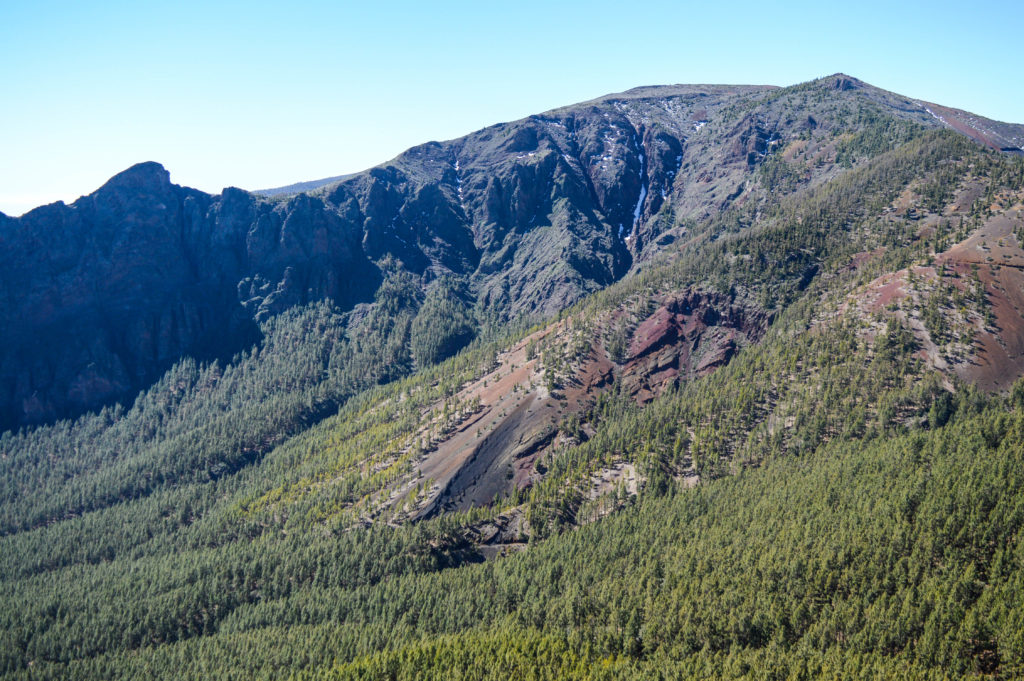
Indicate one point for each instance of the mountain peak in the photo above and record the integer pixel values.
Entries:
(148, 175)
(841, 82)
(527, 217)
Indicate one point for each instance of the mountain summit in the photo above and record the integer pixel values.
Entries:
(522, 218)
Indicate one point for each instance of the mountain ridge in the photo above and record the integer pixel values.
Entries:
(784, 441)
(841, 80)
(527, 217)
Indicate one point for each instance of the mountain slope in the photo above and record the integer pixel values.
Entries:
(101, 296)
(784, 442)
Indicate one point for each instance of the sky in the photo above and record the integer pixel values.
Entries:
(259, 94)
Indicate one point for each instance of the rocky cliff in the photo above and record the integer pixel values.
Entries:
(100, 296)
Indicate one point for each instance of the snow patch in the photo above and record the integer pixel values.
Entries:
(639, 205)
(679, 165)
(940, 119)
(458, 187)
(643, 189)
(772, 139)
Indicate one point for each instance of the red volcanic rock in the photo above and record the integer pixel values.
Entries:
(654, 332)
(688, 336)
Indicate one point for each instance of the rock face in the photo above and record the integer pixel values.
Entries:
(688, 336)
(100, 296)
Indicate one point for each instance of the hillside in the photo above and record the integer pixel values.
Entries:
(101, 296)
(690, 381)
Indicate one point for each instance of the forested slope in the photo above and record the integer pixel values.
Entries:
(762, 454)
(100, 297)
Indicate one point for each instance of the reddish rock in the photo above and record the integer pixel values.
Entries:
(690, 335)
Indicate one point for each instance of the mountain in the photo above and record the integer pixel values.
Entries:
(689, 382)
(103, 295)
(299, 187)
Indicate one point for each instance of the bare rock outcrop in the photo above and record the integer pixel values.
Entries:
(689, 335)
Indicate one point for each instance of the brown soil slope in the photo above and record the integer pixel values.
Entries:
(520, 405)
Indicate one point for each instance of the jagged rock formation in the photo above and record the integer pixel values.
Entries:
(688, 336)
(100, 296)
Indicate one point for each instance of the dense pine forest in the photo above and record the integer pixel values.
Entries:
(818, 472)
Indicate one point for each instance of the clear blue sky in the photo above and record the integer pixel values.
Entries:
(264, 94)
